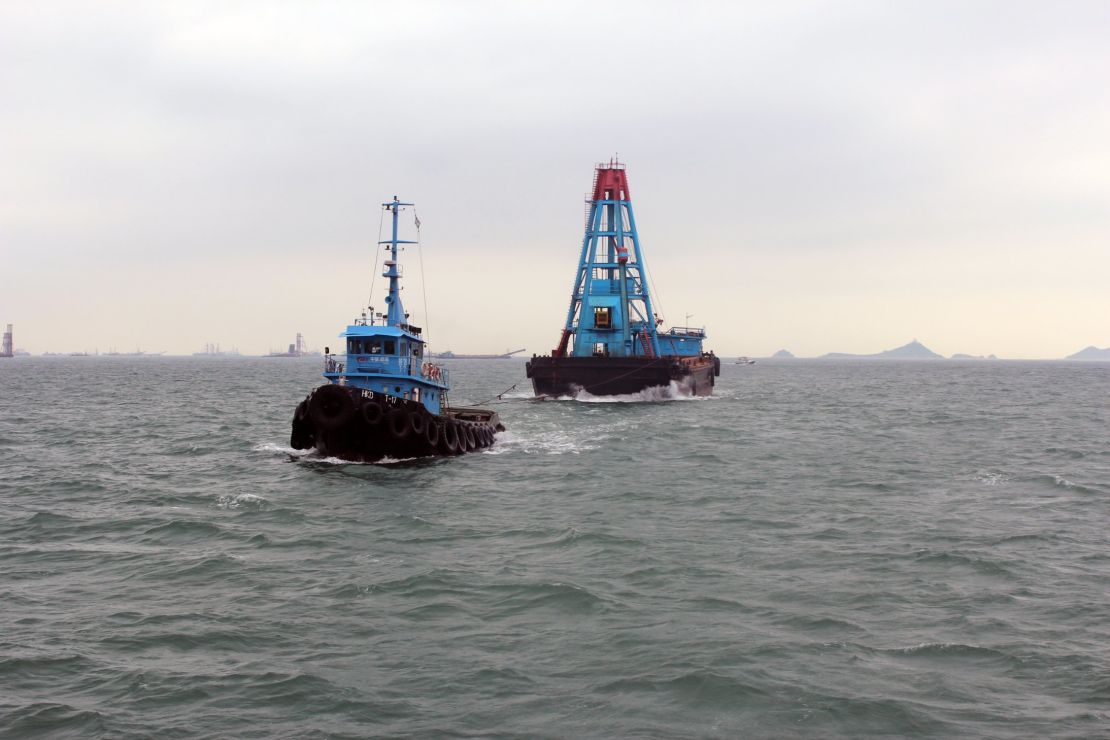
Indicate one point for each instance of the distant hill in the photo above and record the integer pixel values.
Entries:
(915, 350)
(783, 355)
(1091, 353)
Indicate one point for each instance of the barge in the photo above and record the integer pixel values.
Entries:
(612, 343)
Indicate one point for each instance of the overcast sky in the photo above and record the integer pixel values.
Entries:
(816, 176)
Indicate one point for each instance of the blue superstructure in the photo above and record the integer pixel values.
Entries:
(611, 313)
(385, 353)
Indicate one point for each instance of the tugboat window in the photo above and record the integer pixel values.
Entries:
(390, 347)
(601, 349)
(603, 317)
(373, 348)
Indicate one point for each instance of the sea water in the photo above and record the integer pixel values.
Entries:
(821, 549)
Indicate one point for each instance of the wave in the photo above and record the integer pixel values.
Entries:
(50, 719)
(557, 442)
(558, 596)
(242, 500)
(948, 650)
(699, 687)
(312, 456)
(991, 478)
(1059, 481)
(573, 537)
(281, 449)
(655, 394)
(977, 563)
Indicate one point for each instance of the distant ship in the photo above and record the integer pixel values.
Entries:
(6, 347)
(213, 350)
(745, 361)
(449, 355)
(611, 342)
(136, 353)
(297, 349)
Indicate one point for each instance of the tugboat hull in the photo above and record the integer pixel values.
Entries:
(613, 376)
(363, 426)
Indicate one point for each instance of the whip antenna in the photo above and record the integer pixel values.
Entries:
(423, 283)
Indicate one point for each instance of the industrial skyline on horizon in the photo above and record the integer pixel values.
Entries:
(841, 176)
(913, 350)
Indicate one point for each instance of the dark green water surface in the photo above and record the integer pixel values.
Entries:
(822, 549)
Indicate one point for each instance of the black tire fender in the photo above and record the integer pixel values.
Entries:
(301, 437)
(398, 421)
(331, 407)
(417, 423)
(471, 442)
(449, 439)
(431, 434)
(372, 413)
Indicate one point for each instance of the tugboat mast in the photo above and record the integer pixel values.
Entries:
(395, 313)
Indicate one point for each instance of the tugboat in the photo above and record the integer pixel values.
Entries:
(611, 343)
(382, 399)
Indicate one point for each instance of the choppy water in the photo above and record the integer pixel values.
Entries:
(820, 550)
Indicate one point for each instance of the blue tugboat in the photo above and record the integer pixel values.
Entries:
(382, 398)
(611, 343)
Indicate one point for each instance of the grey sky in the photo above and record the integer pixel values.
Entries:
(818, 176)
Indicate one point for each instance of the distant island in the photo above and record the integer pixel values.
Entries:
(915, 350)
(1091, 353)
(782, 354)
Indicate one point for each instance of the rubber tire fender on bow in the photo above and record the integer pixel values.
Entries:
(372, 413)
(398, 420)
(331, 407)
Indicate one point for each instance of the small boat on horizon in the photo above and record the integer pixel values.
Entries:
(137, 353)
(449, 355)
(745, 361)
(382, 398)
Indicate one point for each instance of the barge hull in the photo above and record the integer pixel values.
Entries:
(614, 376)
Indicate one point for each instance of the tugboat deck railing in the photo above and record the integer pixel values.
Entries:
(402, 368)
(688, 331)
